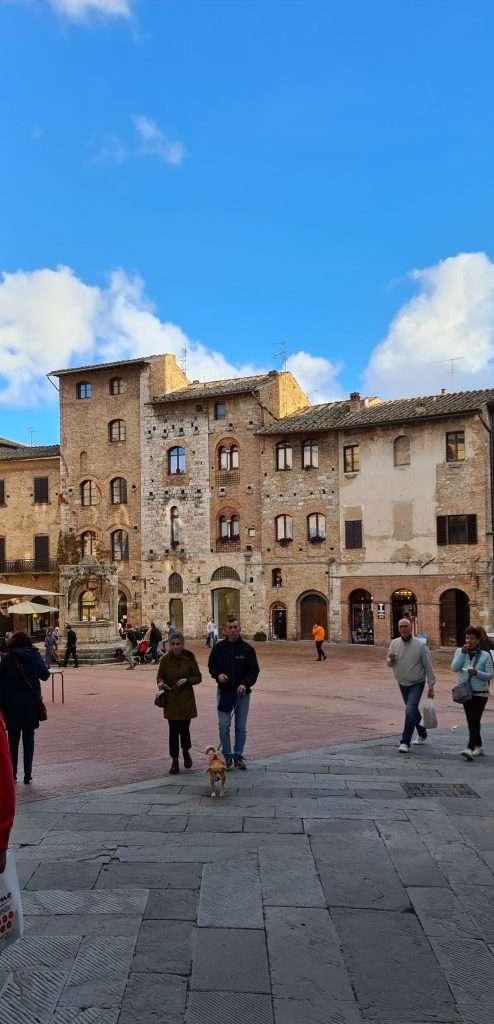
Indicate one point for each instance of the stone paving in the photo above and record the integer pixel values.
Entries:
(345, 885)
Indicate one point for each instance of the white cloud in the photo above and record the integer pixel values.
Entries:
(50, 319)
(151, 141)
(451, 318)
(316, 375)
(80, 10)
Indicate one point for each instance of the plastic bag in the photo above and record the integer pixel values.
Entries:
(11, 919)
(429, 714)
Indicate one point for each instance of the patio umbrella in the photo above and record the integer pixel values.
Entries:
(30, 608)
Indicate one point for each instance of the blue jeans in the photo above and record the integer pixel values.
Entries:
(411, 697)
(240, 711)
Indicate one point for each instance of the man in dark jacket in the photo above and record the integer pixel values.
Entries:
(154, 639)
(71, 648)
(233, 663)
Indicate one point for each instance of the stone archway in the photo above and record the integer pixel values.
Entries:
(278, 621)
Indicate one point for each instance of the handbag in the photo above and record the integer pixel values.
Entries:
(463, 692)
(11, 919)
(42, 712)
(160, 699)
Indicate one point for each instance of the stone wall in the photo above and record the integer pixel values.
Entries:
(21, 519)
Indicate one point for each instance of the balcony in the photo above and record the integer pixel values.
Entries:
(28, 565)
(228, 544)
(228, 478)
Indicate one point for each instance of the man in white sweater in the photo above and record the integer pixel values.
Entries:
(411, 662)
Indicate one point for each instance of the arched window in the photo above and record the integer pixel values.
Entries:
(284, 455)
(118, 491)
(87, 606)
(284, 528)
(83, 462)
(316, 527)
(225, 573)
(228, 457)
(88, 496)
(229, 527)
(401, 450)
(116, 386)
(122, 605)
(120, 546)
(176, 461)
(117, 431)
(174, 525)
(88, 543)
(175, 583)
(310, 455)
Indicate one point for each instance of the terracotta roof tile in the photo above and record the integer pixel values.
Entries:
(209, 389)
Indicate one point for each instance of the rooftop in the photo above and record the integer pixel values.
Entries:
(101, 366)
(339, 415)
(12, 451)
(209, 389)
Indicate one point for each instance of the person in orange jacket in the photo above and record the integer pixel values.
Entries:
(319, 635)
(7, 795)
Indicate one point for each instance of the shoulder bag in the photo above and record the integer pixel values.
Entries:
(463, 692)
(42, 712)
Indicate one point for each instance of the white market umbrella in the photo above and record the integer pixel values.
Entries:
(8, 591)
(30, 608)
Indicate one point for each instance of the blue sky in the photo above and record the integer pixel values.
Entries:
(231, 176)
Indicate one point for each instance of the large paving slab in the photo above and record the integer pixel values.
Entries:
(322, 890)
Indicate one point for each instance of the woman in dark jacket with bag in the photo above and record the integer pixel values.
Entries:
(178, 673)
(21, 702)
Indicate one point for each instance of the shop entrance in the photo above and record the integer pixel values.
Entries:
(403, 606)
(278, 622)
(454, 617)
(361, 617)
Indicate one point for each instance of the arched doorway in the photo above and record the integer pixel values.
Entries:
(403, 606)
(361, 617)
(176, 613)
(122, 605)
(313, 608)
(278, 621)
(226, 601)
(454, 617)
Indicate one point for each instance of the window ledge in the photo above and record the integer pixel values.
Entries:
(350, 475)
(284, 541)
(316, 540)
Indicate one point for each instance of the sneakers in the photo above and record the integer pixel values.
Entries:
(419, 741)
(467, 754)
(404, 748)
(240, 763)
(187, 759)
(478, 752)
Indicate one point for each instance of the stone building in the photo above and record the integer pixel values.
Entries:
(29, 519)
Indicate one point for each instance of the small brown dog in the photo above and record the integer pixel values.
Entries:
(216, 771)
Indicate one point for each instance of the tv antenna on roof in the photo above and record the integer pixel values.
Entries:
(452, 363)
(183, 358)
(282, 353)
(31, 432)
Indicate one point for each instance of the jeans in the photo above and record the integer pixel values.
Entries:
(153, 650)
(411, 697)
(320, 652)
(70, 651)
(179, 730)
(240, 711)
(474, 709)
(27, 748)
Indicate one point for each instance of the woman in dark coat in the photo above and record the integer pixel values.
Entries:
(178, 673)
(21, 669)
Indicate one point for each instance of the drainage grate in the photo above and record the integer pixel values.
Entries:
(431, 789)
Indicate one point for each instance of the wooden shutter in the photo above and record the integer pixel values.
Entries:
(2, 492)
(442, 529)
(41, 552)
(41, 489)
(2, 551)
(353, 533)
(471, 529)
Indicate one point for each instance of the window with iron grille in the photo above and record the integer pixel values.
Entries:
(117, 430)
(2, 492)
(225, 572)
(116, 386)
(310, 455)
(284, 528)
(351, 458)
(316, 526)
(176, 461)
(456, 529)
(83, 390)
(87, 493)
(284, 455)
(40, 490)
(228, 527)
(455, 446)
(118, 491)
(175, 583)
(353, 533)
(119, 546)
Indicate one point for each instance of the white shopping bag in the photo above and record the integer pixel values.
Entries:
(11, 920)
(429, 716)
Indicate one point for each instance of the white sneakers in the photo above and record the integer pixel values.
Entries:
(467, 754)
(478, 752)
(404, 748)
(419, 741)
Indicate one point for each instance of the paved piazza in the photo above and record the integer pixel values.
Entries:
(339, 884)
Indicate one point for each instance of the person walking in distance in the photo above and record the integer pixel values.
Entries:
(210, 632)
(130, 649)
(319, 634)
(233, 663)
(71, 648)
(472, 663)
(178, 673)
(411, 662)
(154, 639)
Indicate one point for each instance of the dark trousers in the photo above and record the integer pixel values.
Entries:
(411, 697)
(320, 652)
(179, 730)
(70, 651)
(474, 709)
(27, 748)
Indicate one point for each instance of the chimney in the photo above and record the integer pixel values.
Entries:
(355, 401)
(444, 391)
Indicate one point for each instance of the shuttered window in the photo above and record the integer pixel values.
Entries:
(2, 492)
(456, 530)
(353, 533)
(41, 553)
(2, 551)
(40, 490)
